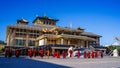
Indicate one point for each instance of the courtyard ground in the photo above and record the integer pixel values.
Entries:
(37, 62)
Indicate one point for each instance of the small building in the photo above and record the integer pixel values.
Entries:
(45, 32)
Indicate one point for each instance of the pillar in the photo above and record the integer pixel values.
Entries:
(62, 41)
(87, 44)
(27, 37)
(45, 41)
(68, 42)
(12, 38)
(82, 43)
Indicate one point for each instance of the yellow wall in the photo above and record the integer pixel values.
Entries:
(2, 46)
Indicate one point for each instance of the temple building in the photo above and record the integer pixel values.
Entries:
(44, 32)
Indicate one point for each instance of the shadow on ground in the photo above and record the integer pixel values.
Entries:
(22, 62)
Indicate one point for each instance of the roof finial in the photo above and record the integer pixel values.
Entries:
(24, 19)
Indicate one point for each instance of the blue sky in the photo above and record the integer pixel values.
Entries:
(98, 16)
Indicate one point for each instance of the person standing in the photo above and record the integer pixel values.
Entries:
(85, 54)
(30, 52)
(101, 54)
(70, 51)
(42, 53)
(34, 52)
(88, 54)
(93, 54)
(48, 53)
(58, 54)
(17, 53)
(78, 54)
(63, 54)
(96, 54)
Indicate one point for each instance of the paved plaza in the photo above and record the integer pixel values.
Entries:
(26, 62)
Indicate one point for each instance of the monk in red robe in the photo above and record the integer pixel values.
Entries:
(42, 53)
(101, 54)
(93, 56)
(96, 54)
(17, 53)
(70, 51)
(88, 54)
(85, 54)
(78, 54)
(58, 54)
(63, 54)
(30, 52)
(34, 52)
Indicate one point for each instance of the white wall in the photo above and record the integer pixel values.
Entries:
(41, 42)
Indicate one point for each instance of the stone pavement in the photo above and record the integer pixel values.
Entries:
(106, 62)
(37, 62)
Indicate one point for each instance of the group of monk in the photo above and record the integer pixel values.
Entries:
(55, 54)
(33, 52)
(93, 54)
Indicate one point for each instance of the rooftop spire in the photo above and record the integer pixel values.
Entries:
(24, 19)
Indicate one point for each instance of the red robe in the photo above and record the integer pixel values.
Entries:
(96, 54)
(34, 52)
(88, 54)
(85, 54)
(30, 53)
(78, 54)
(70, 53)
(17, 53)
(58, 55)
(63, 54)
(93, 54)
(101, 54)
(41, 53)
(53, 54)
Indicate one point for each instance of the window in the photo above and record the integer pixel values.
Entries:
(19, 42)
(31, 43)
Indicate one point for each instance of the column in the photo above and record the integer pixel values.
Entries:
(82, 43)
(79, 43)
(68, 42)
(27, 40)
(12, 38)
(8, 38)
(45, 41)
(87, 44)
(62, 41)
